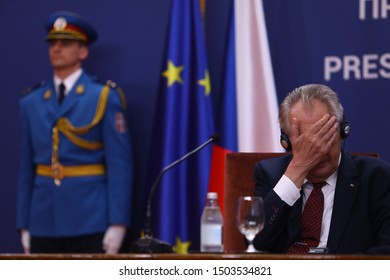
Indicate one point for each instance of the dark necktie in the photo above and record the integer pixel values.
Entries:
(61, 93)
(311, 221)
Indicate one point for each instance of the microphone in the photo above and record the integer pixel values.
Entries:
(148, 244)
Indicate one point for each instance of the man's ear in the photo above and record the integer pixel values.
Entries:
(84, 52)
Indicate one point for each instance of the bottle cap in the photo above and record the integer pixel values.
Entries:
(212, 195)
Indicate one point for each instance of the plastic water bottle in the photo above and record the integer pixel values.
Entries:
(211, 225)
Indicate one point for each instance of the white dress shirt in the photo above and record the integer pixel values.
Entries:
(289, 193)
(68, 82)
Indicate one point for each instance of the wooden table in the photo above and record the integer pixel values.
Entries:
(191, 256)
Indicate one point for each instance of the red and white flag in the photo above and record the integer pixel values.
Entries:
(249, 107)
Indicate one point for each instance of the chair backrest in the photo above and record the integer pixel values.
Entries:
(239, 181)
(239, 169)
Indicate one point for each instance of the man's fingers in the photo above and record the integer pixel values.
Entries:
(330, 130)
(317, 127)
(330, 142)
(294, 133)
(327, 126)
(323, 129)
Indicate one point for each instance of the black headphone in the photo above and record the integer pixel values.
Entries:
(345, 129)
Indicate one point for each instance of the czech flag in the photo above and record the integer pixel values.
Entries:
(247, 108)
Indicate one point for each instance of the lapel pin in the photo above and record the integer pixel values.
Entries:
(80, 89)
(351, 185)
(47, 94)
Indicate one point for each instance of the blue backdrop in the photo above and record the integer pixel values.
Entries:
(129, 51)
(344, 44)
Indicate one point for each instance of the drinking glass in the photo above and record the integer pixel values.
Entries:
(250, 218)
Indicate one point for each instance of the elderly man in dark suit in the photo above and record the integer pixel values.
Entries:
(352, 201)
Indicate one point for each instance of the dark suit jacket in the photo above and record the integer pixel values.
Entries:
(361, 212)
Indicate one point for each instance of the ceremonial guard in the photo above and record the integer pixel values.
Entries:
(75, 187)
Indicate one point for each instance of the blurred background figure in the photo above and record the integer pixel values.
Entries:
(75, 184)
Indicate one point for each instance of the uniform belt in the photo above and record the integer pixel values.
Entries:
(70, 171)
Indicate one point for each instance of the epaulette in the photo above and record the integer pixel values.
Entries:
(111, 84)
(122, 95)
(28, 90)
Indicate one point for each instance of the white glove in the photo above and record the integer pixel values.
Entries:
(25, 239)
(113, 238)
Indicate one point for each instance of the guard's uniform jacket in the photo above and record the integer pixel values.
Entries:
(76, 167)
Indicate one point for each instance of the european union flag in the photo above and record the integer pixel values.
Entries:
(183, 121)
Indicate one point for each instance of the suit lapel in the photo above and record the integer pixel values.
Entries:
(294, 222)
(345, 192)
(49, 97)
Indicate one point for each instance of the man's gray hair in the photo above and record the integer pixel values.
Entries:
(306, 94)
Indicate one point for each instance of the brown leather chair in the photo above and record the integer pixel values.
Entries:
(239, 181)
(239, 169)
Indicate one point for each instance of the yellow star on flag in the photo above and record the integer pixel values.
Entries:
(181, 247)
(173, 73)
(206, 83)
